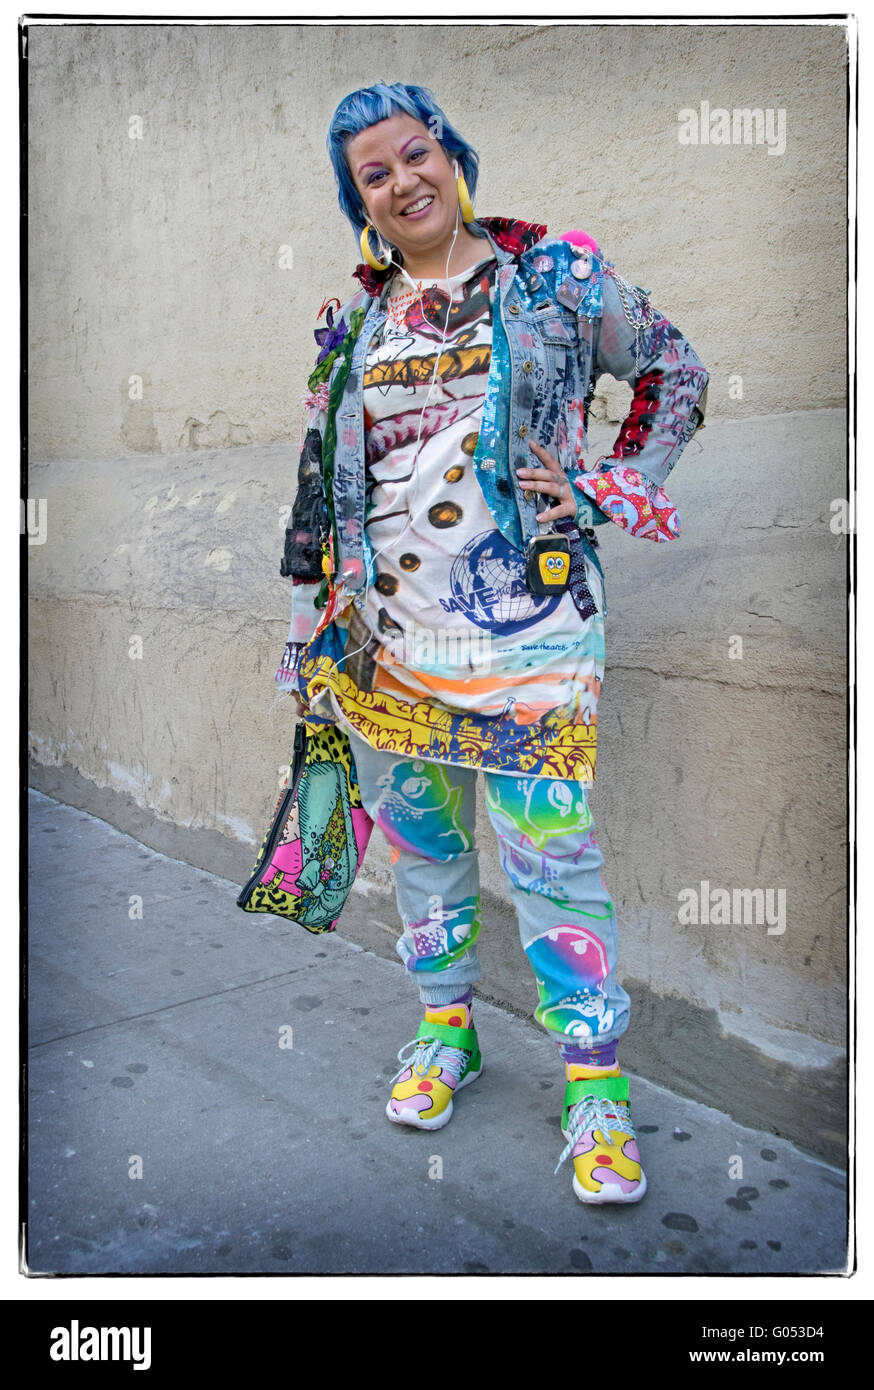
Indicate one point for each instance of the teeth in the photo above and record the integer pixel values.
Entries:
(416, 207)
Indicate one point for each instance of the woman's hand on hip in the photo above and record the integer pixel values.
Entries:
(551, 481)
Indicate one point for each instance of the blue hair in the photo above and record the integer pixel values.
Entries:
(361, 109)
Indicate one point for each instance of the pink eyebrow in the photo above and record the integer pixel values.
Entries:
(376, 162)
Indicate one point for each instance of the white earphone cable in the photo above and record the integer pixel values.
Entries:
(414, 471)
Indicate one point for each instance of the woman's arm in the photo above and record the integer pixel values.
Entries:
(310, 536)
(302, 559)
(634, 342)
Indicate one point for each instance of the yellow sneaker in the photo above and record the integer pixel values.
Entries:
(444, 1058)
(601, 1140)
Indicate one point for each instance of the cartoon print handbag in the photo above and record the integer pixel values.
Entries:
(317, 838)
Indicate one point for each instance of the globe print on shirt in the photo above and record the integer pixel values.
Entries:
(488, 586)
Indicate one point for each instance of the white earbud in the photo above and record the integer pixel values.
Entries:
(455, 167)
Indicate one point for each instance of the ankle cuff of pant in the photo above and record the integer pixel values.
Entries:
(438, 996)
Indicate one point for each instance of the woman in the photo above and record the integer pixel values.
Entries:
(448, 606)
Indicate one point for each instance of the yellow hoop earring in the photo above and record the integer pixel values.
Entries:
(368, 254)
(467, 213)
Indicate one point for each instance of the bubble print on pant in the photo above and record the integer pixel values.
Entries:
(545, 830)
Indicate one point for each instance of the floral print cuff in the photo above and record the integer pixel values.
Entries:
(632, 501)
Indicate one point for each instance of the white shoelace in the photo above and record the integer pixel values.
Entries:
(428, 1052)
(594, 1113)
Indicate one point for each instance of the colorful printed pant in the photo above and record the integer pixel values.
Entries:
(552, 861)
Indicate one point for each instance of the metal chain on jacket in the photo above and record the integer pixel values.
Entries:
(642, 319)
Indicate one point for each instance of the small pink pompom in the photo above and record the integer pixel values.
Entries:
(579, 239)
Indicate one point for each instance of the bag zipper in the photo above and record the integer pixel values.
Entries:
(297, 767)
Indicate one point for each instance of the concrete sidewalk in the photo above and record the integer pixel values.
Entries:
(170, 1131)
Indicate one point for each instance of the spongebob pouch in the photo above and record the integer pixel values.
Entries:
(548, 564)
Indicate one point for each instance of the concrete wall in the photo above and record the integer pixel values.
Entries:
(159, 256)
(157, 259)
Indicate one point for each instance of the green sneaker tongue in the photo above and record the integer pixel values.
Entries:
(613, 1088)
(464, 1038)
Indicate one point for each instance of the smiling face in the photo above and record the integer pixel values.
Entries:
(407, 186)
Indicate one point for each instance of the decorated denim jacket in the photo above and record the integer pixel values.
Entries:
(562, 317)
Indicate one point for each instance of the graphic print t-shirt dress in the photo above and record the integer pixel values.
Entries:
(453, 657)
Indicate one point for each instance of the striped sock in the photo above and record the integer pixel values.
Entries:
(584, 1062)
